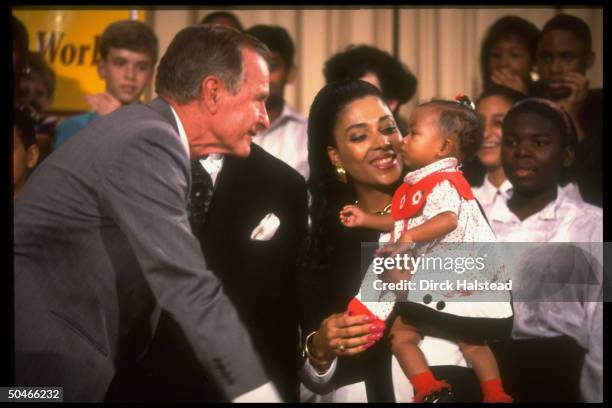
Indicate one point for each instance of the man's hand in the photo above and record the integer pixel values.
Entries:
(352, 216)
(103, 103)
(508, 79)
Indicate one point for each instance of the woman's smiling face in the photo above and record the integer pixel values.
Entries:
(364, 133)
(492, 111)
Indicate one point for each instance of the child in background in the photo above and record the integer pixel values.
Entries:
(25, 149)
(538, 145)
(435, 204)
(565, 54)
(492, 107)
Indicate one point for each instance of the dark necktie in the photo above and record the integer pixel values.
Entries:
(200, 197)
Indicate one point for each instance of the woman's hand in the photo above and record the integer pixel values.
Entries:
(344, 335)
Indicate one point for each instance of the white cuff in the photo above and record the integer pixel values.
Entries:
(316, 377)
(264, 393)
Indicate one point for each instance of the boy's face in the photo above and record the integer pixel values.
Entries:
(423, 142)
(532, 153)
(126, 73)
(35, 93)
(560, 52)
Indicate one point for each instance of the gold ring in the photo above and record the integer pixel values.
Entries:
(341, 347)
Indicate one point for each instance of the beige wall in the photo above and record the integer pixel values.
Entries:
(440, 45)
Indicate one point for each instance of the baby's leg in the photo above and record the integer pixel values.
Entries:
(485, 367)
(405, 339)
(481, 359)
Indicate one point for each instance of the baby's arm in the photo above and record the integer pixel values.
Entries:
(434, 228)
(353, 216)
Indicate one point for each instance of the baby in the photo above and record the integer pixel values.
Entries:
(435, 204)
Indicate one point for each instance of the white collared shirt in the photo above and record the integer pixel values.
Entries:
(211, 163)
(287, 140)
(181, 131)
(562, 220)
(487, 194)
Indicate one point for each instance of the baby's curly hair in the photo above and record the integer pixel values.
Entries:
(459, 119)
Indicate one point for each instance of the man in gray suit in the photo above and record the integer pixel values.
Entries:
(102, 238)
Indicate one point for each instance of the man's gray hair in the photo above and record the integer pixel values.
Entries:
(199, 51)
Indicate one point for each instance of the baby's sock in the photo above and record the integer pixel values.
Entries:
(493, 391)
(425, 384)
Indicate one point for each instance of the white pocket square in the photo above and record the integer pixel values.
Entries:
(266, 229)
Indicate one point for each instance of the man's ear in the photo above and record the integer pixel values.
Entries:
(568, 156)
(211, 93)
(291, 74)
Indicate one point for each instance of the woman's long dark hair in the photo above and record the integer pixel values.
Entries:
(327, 194)
(325, 189)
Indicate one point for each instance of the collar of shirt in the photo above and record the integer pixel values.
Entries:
(488, 191)
(447, 164)
(501, 212)
(213, 164)
(181, 131)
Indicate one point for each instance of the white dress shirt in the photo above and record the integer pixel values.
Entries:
(287, 140)
(181, 130)
(212, 164)
(487, 194)
(562, 220)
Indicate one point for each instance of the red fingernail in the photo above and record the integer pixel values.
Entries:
(367, 318)
(376, 328)
(368, 345)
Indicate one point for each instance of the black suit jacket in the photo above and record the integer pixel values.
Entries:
(259, 277)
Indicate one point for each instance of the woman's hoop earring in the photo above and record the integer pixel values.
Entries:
(341, 174)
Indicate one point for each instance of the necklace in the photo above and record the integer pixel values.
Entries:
(385, 210)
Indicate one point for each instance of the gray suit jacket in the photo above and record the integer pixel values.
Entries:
(102, 240)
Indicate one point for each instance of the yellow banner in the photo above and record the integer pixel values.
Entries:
(69, 42)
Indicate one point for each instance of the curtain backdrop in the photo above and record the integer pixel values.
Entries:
(441, 46)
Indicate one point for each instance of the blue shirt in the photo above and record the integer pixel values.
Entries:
(71, 126)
